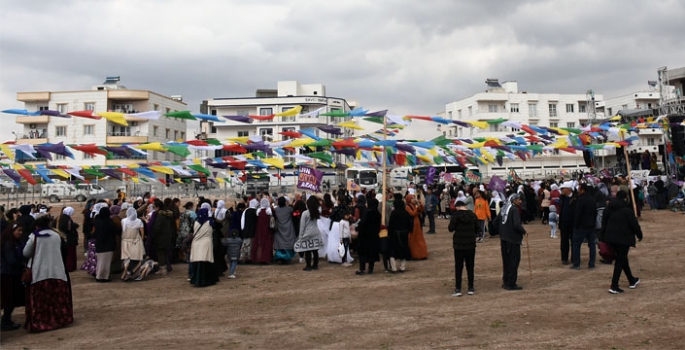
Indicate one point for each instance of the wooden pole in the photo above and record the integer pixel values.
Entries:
(383, 177)
(630, 178)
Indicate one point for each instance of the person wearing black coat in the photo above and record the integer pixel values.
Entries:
(105, 243)
(27, 223)
(584, 217)
(464, 224)
(398, 236)
(511, 233)
(368, 229)
(620, 227)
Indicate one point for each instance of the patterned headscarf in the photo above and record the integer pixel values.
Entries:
(508, 206)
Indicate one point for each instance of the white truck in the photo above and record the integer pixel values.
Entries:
(56, 192)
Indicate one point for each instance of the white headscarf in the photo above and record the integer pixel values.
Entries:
(254, 203)
(68, 211)
(131, 217)
(220, 210)
(125, 206)
(207, 206)
(264, 205)
(460, 197)
(96, 209)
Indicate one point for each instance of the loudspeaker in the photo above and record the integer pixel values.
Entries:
(677, 133)
(587, 156)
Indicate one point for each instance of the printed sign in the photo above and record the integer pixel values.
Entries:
(309, 179)
(352, 186)
(472, 177)
(430, 175)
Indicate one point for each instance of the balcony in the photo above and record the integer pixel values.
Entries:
(124, 161)
(28, 119)
(33, 141)
(125, 137)
(33, 96)
(485, 114)
(128, 95)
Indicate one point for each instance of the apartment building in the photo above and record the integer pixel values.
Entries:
(504, 100)
(108, 96)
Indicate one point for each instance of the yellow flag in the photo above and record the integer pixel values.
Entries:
(135, 179)
(300, 142)
(290, 113)
(152, 146)
(61, 173)
(476, 145)
(482, 125)
(219, 180)
(242, 139)
(7, 151)
(161, 169)
(114, 117)
(277, 162)
(350, 125)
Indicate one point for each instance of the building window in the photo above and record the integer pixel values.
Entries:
(88, 156)
(287, 129)
(552, 109)
(609, 112)
(287, 119)
(60, 131)
(243, 112)
(449, 114)
(62, 108)
(168, 132)
(246, 133)
(459, 113)
(266, 111)
(183, 135)
(570, 125)
(624, 107)
(650, 141)
(89, 106)
(175, 134)
(532, 110)
(213, 112)
(154, 130)
(492, 108)
(120, 130)
(514, 108)
(43, 108)
(494, 127)
(88, 129)
(554, 125)
(60, 156)
(582, 108)
(155, 107)
(470, 111)
(569, 108)
(266, 133)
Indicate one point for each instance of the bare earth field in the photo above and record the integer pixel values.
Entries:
(279, 306)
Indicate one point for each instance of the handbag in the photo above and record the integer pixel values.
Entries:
(341, 249)
(27, 274)
(272, 222)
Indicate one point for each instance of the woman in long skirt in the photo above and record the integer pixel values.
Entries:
(48, 297)
(285, 236)
(262, 245)
(90, 264)
(67, 226)
(417, 243)
(132, 246)
(12, 289)
(203, 272)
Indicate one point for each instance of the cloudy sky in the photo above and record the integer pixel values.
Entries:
(406, 56)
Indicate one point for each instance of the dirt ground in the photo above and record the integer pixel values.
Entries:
(280, 306)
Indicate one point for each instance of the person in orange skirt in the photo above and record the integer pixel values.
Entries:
(417, 243)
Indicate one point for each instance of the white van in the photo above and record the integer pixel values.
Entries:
(90, 190)
(56, 192)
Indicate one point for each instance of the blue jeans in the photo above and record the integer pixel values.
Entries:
(431, 221)
(234, 264)
(579, 235)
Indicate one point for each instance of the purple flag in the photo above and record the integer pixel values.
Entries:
(430, 175)
(497, 184)
(13, 175)
(309, 179)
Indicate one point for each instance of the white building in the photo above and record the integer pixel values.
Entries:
(289, 94)
(109, 96)
(506, 101)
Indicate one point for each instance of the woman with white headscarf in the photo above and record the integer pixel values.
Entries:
(495, 209)
(248, 224)
(132, 243)
(69, 228)
(262, 245)
(90, 264)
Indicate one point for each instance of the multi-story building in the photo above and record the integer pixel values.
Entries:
(507, 102)
(288, 95)
(109, 96)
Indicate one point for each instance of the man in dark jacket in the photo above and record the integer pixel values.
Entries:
(464, 224)
(26, 221)
(566, 219)
(620, 229)
(584, 217)
(511, 235)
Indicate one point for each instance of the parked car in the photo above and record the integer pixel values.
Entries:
(56, 192)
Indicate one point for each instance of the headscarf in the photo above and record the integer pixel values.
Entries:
(263, 205)
(408, 199)
(554, 187)
(220, 213)
(131, 216)
(508, 206)
(495, 197)
(96, 209)
(114, 211)
(254, 203)
(125, 206)
(207, 206)
(203, 216)
(68, 211)
(460, 197)
(103, 213)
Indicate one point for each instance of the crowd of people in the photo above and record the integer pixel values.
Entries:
(134, 239)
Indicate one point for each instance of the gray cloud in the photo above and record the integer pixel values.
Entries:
(408, 56)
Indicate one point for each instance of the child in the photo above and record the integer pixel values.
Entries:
(553, 219)
(233, 244)
(345, 237)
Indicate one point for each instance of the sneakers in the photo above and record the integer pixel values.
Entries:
(231, 276)
(575, 267)
(456, 293)
(360, 272)
(635, 283)
(615, 290)
(471, 291)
